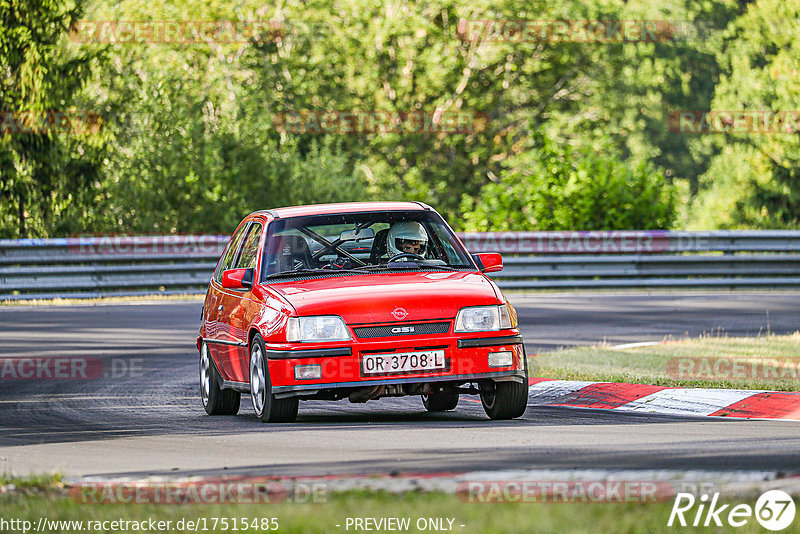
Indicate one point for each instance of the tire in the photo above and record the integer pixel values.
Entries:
(442, 401)
(216, 401)
(268, 409)
(507, 400)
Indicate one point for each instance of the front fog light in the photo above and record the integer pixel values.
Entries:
(501, 359)
(307, 372)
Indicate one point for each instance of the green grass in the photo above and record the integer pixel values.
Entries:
(33, 483)
(660, 364)
(496, 518)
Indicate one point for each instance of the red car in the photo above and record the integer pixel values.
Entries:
(359, 301)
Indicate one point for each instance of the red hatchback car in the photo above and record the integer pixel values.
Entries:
(359, 301)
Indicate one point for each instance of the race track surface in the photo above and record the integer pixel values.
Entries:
(147, 418)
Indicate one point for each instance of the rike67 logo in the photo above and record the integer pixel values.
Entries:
(774, 510)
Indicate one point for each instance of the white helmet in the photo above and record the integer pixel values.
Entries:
(406, 231)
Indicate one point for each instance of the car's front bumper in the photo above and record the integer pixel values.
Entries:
(341, 367)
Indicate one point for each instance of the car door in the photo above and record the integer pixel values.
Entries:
(236, 304)
(217, 327)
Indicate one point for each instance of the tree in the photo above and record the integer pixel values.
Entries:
(754, 180)
(46, 168)
(555, 187)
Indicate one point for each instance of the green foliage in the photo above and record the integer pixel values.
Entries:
(754, 180)
(45, 175)
(555, 187)
(189, 142)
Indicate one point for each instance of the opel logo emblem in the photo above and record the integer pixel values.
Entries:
(399, 314)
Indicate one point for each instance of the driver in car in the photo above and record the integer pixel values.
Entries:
(406, 237)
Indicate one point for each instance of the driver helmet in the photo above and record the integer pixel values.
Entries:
(407, 237)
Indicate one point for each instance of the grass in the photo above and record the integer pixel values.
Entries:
(769, 362)
(325, 516)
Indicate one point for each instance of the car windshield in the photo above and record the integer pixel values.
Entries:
(361, 242)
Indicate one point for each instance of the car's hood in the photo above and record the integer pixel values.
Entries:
(388, 297)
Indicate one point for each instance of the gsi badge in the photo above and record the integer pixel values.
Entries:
(402, 330)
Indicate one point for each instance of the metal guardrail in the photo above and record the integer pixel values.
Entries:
(146, 265)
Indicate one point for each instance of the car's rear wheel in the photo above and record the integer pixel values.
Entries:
(216, 401)
(441, 401)
(268, 409)
(506, 400)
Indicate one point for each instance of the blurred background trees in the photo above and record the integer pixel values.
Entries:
(577, 133)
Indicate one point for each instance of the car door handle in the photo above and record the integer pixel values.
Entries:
(219, 308)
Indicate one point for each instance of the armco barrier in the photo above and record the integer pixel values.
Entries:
(143, 265)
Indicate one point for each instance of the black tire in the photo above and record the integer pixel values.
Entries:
(507, 400)
(268, 409)
(216, 401)
(441, 401)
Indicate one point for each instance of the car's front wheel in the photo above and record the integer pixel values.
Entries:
(268, 409)
(441, 401)
(216, 401)
(507, 400)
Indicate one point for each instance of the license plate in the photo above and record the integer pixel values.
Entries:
(426, 360)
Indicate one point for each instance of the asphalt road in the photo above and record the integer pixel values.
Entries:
(144, 416)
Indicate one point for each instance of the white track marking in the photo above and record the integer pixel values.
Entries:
(686, 401)
(554, 391)
(635, 345)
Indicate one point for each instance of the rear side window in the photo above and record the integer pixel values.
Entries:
(230, 252)
(247, 258)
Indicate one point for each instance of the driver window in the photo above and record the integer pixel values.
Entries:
(247, 258)
(230, 252)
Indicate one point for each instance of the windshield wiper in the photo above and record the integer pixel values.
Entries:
(295, 272)
(409, 265)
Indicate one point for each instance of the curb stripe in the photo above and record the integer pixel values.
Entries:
(609, 395)
(643, 398)
(554, 392)
(686, 401)
(765, 405)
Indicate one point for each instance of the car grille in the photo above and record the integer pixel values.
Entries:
(402, 329)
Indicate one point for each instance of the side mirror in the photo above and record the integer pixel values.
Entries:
(237, 278)
(489, 262)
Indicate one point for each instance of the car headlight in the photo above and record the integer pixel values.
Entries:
(483, 318)
(318, 328)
